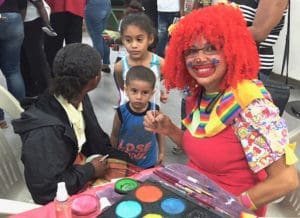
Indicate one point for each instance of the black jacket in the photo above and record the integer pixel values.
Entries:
(50, 148)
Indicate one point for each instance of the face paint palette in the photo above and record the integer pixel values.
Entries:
(154, 199)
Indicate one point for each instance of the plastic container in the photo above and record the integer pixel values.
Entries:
(85, 206)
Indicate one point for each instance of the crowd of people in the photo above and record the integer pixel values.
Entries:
(222, 62)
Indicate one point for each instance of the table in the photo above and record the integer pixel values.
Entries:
(222, 201)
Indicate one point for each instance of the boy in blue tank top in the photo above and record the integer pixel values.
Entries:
(128, 133)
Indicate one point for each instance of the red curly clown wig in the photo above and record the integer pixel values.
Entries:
(223, 26)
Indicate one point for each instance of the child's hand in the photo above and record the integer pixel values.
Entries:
(163, 97)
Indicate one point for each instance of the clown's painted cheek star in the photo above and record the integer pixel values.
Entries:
(215, 61)
(190, 64)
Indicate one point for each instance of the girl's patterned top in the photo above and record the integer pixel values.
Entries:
(255, 119)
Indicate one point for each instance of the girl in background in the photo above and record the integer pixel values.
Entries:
(131, 7)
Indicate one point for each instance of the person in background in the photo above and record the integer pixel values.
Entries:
(66, 19)
(265, 20)
(43, 10)
(34, 65)
(128, 133)
(11, 38)
(96, 16)
(150, 10)
(60, 129)
(131, 7)
(166, 11)
(234, 133)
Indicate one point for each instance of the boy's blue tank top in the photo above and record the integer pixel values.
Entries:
(141, 145)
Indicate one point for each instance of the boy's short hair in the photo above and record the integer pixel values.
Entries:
(141, 73)
(74, 66)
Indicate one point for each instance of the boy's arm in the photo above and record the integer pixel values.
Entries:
(161, 141)
(115, 131)
(118, 75)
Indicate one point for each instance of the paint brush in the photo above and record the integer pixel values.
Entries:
(104, 157)
(154, 109)
(196, 181)
(192, 179)
(174, 181)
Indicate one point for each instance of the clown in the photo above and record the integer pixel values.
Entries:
(212, 51)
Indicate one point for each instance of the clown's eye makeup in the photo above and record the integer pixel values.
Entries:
(207, 50)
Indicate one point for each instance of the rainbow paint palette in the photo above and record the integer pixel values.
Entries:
(154, 199)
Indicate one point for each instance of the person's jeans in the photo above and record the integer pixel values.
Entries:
(11, 39)
(264, 75)
(165, 19)
(96, 16)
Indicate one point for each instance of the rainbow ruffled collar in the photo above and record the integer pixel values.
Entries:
(203, 124)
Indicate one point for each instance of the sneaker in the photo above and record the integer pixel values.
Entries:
(49, 30)
(105, 68)
(177, 150)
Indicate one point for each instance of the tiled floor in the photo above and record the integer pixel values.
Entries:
(105, 96)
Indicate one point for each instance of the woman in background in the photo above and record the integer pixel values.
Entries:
(11, 38)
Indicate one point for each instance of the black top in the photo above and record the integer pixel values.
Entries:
(13, 6)
(50, 147)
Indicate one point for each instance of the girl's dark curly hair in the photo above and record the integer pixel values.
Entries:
(141, 21)
(223, 26)
(74, 65)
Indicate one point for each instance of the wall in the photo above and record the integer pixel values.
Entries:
(294, 58)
